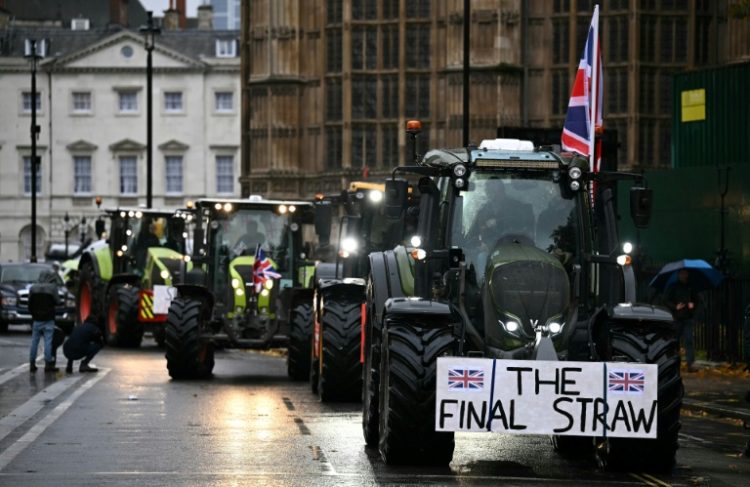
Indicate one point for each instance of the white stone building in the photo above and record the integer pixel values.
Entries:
(92, 114)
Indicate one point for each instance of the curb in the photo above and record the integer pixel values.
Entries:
(717, 409)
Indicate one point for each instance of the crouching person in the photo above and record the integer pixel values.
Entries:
(85, 342)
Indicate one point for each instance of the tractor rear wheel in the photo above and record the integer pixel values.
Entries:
(340, 376)
(122, 328)
(648, 346)
(188, 357)
(300, 331)
(371, 383)
(408, 367)
(89, 294)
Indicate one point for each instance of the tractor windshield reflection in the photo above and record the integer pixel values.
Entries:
(244, 229)
(507, 208)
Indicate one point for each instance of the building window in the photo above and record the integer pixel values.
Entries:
(390, 145)
(560, 92)
(81, 175)
(619, 34)
(648, 91)
(225, 174)
(417, 95)
(418, 46)
(26, 102)
(364, 48)
(224, 101)
(390, 96)
(560, 40)
(173, 172)
(27, 177)
(647, 38)
(389, 49)
(128, 175)
(418, 9)
(333, 51)
(364, 96)
(333, 147)
(364, 10)
(561, 6)
(617, 90)
(173, 101)
(82, 102)
(128, 101)
(333, 11)
(226, 48)
(333, 99)
(390, 9)
(364, 143)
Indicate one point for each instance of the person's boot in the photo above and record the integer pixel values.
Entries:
(69, 368)
(32, 365)
(85, 367)
(50, 367)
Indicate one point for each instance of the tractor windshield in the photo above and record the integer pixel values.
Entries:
(246, 228)
(523, 208)
(152, 231)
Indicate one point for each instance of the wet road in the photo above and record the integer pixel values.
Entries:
(131, 425)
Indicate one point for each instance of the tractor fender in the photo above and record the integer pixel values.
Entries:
(290, 298)
(327, 270)
(198, 292)
(350, 288)
(132, 279)
(428, 313)
(639, 312)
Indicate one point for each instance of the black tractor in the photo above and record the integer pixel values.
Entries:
(249, 274)
(511, 260)
(340, 291)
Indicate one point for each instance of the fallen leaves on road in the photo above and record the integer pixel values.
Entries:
(723, 370)
(697, 480)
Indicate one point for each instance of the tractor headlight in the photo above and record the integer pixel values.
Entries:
(227, 207)
(268, 284)
(627, 247)
(574, 173)
(376, 196)
(283, 209)
(164, 274)
(217, 206)
(459, 170)
(419, 254)
(265, 293)
(512, 326)
(575, 185)
(624, 260)
(138, 214)
(235, 283)
(416, 241)
(349, 244)
(459, 183)
(292, 208)
(555, 328)
(239, 292)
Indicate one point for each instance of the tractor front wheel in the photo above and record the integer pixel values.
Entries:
(408, 368)
(122, 328)
(340, 377)
(300, 331)
(188, 357)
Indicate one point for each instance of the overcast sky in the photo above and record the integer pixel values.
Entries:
(159, 6)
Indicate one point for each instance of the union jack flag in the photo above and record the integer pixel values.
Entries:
(262, 270)
(585, 99)
(626, 381)
(469, 379)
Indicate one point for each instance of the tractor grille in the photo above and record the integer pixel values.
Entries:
(531, 290)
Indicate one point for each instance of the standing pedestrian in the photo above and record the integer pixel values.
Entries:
(43, 298)
(682, 300)
(85, 342)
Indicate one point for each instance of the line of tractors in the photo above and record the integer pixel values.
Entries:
(504, 251)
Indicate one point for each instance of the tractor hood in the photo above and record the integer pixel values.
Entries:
(527, 285)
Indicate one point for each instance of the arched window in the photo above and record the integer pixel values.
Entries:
(24, 250)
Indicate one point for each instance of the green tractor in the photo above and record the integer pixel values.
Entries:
(510, 261)
(118, 274)
(340, 292)
(249, 278)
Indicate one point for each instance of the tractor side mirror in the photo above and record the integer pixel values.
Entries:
(323, 217)
(641, 201)
(99, 227)
(396, 197)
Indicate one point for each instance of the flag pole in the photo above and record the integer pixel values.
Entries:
(593, 90)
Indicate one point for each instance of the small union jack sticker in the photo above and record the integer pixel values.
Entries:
(626, 381)
(466, 379)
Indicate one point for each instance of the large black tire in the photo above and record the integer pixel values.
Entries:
(121, 327)
(371, 382)
(340, 376)
(188, 357)
(300, 332)
(89, 295)
(651, 346)
(408, 370)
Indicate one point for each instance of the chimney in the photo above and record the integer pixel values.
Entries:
(205, 17)
(118, 12)
(171, 17)
(183, 13)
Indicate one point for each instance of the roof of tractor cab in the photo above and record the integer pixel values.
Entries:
(496, 153)
(246, 203)
(142, 211)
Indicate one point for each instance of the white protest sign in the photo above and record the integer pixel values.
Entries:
(163, 296)
(545, 397)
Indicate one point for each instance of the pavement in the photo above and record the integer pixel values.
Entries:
(718, 390)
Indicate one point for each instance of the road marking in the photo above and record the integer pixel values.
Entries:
(288, 403)
(644, 480)
(649, 480)
(12, 373)
(12, 343)
(319, 456)
(657, 480)
(303, 429)
(20, 444)
(25, 411)
(694, 438)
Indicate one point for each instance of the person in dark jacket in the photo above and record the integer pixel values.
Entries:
(85, 342)
(43, 298)
(682, 300)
